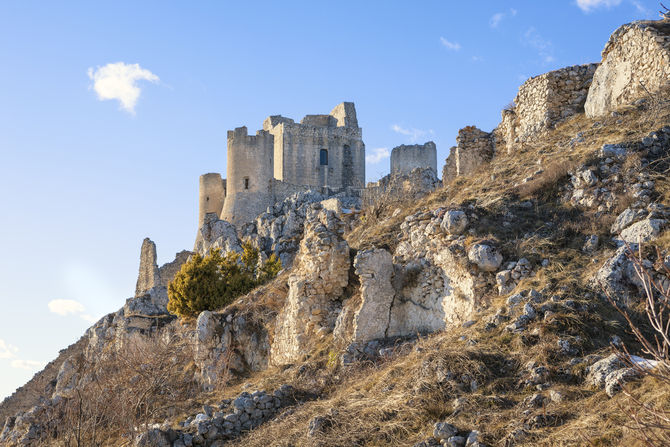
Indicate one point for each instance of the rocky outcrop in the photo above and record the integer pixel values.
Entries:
(635, 63)
(319, 276)
(216, 233)
(228, 341)
(148, 276)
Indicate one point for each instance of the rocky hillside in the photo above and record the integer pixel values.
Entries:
(481, 310)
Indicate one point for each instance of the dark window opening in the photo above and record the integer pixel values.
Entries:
(346, 148)
(324, 157)
(246, 182)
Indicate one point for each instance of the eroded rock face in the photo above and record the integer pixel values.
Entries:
(148, 276)
(67, 378)
(216, 233)
(371, 319)
(228, 341)
(319, 276)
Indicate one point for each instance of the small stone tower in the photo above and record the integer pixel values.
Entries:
(250, 175)
(407, 157)
(212, 195)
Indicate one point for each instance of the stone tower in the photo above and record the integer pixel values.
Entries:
(249, 175)
(212, 195)
(321, 150)
(407, 157)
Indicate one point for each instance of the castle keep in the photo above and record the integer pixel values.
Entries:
(324, 152)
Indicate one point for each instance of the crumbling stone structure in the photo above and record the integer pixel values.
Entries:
(635, 63)
(405, 158)
(542, 102)
(212, 195)
(324, 152)
(474, 148)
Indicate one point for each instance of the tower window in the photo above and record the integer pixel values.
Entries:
(246, 182)
(323, 157)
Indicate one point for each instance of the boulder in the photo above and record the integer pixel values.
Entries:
(486, 257)
(454, 222)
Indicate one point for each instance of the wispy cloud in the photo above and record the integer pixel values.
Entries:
(7, 351)
(65, 307)
(590, 5)
(498, 17)
(453, 46)
(642, 9)
(378, 155)
(119, 81)
(29, 365)
(411, 133)
(477, 59)
(545, 50)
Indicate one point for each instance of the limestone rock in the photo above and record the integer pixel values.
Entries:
(599, 371)
(486, 257)
(454, 222)
(67, 378)
(315, 286)
(148, 276)
(371, 320)
(616, 379)
(216, 233)
(643, 231)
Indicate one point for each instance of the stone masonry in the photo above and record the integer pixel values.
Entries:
(475, 147)
(405, 158)
(542, 102)
(636, 63)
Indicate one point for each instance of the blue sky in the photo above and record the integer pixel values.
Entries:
(88, 168)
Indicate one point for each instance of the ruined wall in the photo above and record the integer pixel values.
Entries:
(474, 148)
(637, 56)
(542, 102)
(212, 194)
(404, 158)
(297, 149)
(250, 171)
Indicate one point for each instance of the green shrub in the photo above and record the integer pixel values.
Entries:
(214, 281)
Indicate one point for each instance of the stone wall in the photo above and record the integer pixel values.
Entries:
(636, 57)
(475, 147)
(405, 158)
(542, 102)
(298, 147)
(401, 186)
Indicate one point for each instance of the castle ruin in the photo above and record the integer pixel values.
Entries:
(323, 152)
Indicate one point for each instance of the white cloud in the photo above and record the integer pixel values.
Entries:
(7, 351)
(496, 19)
(65, 307)
(454, 46)
(26, 364)
(378, 155)
(533, 39)
(412, 133)
(590, 5)
(477, 59)
(119, 81)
